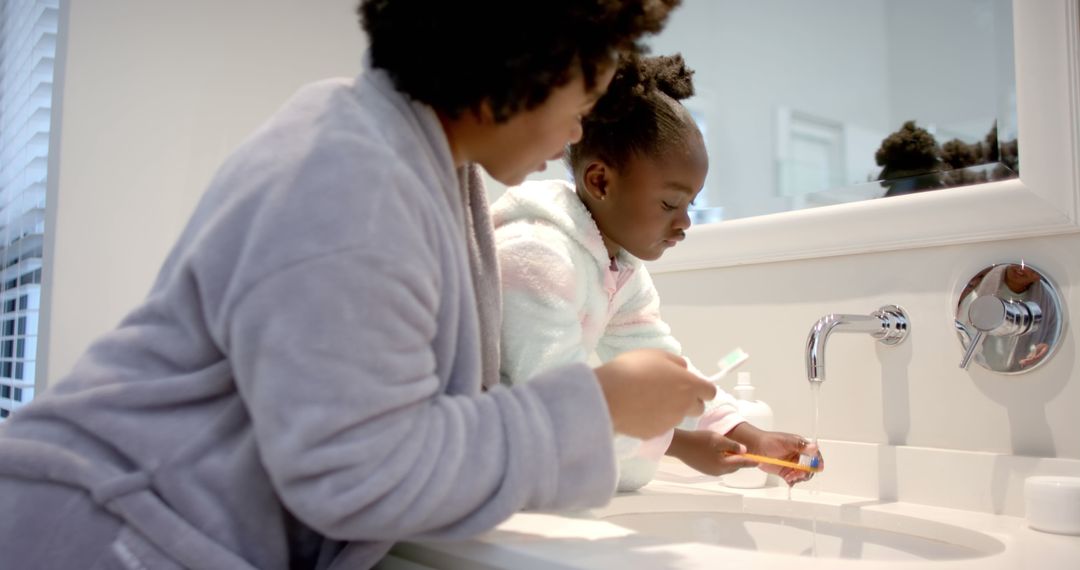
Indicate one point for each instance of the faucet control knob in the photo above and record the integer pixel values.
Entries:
(976, 342)
(994, 316)
(1010, 318)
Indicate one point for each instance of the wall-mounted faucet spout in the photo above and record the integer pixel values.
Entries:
(888, 325)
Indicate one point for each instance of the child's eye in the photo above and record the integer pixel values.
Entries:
(668, 207)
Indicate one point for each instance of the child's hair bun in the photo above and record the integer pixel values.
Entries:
(640, 112)
(638, 84)
(669, 75)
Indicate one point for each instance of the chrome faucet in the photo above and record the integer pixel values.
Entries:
(888, 325)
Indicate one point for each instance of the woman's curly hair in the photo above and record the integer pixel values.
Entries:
(455, 55)
(639, 113)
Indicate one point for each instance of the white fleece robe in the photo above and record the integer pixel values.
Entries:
(564, 300)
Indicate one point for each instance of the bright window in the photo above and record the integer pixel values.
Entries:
(28, 33)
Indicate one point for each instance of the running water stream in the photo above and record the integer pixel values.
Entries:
(815, 388)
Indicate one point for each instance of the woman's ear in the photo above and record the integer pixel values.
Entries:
(597, 177)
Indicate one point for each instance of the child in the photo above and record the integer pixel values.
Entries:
(573, 280)
(305, 383)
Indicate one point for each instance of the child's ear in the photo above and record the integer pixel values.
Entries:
(483, 113)
(597, 177)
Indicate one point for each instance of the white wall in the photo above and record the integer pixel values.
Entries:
(156, 94)
(912, 394)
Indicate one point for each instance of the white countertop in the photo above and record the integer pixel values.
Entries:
(584, 540)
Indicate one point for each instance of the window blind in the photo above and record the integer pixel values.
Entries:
(28, 33)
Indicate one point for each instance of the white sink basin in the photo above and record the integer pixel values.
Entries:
(798, 528)
(687, 521)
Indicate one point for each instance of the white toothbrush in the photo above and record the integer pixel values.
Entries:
(728, 363)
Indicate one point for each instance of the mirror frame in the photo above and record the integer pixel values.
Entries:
(1042, 201)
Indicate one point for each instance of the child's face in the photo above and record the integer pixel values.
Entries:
(645, 209)
(527, 140)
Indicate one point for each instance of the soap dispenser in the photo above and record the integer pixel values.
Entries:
(760, 415)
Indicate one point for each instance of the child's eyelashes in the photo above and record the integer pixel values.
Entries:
(668, 206)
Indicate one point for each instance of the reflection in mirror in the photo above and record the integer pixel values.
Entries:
(809, 104)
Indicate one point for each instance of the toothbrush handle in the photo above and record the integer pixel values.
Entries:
(780, 462)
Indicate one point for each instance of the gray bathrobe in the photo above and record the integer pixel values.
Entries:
(303, 383)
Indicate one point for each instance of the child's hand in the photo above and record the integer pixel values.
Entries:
(780, 445)
(708, 452)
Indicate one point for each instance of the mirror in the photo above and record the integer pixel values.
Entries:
(808, 104)
(1042, 200)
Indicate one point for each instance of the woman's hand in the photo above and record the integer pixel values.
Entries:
(649, 391)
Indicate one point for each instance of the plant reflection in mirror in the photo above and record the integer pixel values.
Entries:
(913, 161)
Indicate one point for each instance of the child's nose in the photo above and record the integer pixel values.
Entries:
(683, 221)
